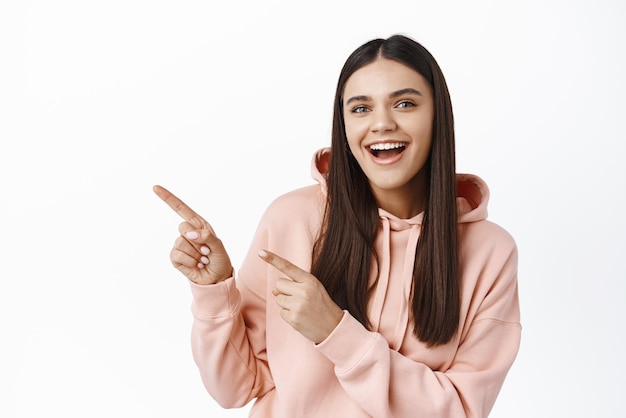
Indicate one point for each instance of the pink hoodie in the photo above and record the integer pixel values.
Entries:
(244, 349)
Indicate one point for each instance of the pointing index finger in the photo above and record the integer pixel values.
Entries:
(291, 270)
(177, 205)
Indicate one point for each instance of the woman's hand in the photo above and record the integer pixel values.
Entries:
(304, 302)
(197, 252)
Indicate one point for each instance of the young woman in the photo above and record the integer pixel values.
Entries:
(381, 291)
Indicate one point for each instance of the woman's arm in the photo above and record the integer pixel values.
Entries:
(228, 349)
(387, 384)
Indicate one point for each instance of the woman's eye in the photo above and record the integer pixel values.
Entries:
(359, 109)
(405, 104)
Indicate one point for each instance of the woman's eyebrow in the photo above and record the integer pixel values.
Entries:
(407, 90)
(358, 99)
(401, 92)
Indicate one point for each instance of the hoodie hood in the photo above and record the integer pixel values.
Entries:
(472, 191)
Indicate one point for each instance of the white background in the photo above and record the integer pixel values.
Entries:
(224, 103)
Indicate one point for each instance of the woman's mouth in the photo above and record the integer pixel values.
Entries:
(387, 150)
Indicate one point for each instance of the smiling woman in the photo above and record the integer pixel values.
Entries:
(382, 290)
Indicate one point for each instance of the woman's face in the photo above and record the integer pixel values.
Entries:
(388, 115)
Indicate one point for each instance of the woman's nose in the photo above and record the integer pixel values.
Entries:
(382, 121)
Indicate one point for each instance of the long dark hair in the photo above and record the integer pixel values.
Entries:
(344, 254)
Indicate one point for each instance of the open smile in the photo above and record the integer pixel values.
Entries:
(387, 150)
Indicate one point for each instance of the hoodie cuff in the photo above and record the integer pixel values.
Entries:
(215, 300)
(349, 342)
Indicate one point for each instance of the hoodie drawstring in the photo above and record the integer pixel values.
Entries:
(383, 275)
(390, 223)
(407, 276)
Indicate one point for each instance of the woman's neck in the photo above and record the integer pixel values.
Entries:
(404, 202)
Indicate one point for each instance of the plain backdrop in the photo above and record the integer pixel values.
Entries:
(225, 103)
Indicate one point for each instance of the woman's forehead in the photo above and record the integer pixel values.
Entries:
(383, 77)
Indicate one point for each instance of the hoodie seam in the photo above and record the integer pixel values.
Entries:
(501, 321)
(346, 370)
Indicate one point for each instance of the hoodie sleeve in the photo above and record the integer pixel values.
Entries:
(228, 337)
(229, 333)
(387, 384)
(229, 353)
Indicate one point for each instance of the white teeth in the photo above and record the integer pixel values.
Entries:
(386, 146)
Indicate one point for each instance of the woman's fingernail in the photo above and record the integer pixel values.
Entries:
(200, 265)
(205, 250)
(263, 254)
(192, 235)
(204, 259)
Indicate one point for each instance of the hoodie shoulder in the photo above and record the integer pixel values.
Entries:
(300, 207)
(299, 198)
